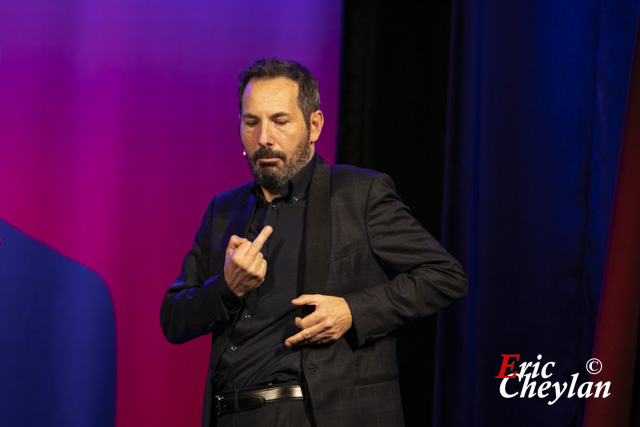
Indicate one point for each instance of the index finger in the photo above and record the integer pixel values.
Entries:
(301, 337)
(262, 237)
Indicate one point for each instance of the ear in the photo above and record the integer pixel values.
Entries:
(316, 121)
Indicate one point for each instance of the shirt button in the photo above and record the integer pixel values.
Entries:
(233, 348)
(247, 316)
(295, 199)
(273, 206)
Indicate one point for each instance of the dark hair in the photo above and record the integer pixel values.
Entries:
(308, 93)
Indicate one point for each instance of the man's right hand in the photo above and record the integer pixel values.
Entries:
(244, 265)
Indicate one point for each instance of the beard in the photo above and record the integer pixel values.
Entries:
(272, 177)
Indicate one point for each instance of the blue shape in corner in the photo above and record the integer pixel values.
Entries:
(57, 338)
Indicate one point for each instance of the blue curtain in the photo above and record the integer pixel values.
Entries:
(57, 334)
(537, 100)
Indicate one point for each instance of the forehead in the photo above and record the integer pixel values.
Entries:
(279, 93)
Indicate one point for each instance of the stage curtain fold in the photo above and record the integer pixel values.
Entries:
(617, 335)
(536, 106)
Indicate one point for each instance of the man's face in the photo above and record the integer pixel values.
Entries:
(273, 131)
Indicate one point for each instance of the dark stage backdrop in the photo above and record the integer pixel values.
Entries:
(536, 107)
(536, 101)
(118, 123)
(393, 97)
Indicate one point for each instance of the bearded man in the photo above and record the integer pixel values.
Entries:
(302, 275)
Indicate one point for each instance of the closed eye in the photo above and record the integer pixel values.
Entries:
(280, 119)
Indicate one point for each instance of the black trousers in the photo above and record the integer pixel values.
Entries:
(286, 413)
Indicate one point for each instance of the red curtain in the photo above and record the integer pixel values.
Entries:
(617, 339)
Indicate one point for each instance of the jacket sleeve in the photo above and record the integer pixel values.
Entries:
(199, 301)
(425, 277)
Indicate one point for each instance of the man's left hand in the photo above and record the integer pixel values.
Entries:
(329, 321)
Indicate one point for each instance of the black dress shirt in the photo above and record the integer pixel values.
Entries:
(256, 354)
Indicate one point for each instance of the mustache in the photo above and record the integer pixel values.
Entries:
(266, 152)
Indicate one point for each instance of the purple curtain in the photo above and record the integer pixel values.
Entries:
(118, 123)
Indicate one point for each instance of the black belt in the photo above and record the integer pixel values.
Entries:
(251, 398)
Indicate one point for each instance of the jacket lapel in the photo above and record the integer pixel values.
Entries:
(317, 241)
(242, 220)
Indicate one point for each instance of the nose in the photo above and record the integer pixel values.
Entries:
(264, 138)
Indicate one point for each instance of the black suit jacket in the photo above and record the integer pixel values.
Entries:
(360, 243)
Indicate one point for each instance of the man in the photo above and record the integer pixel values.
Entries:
(303, 275)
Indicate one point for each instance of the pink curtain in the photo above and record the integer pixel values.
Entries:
(118, 123)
